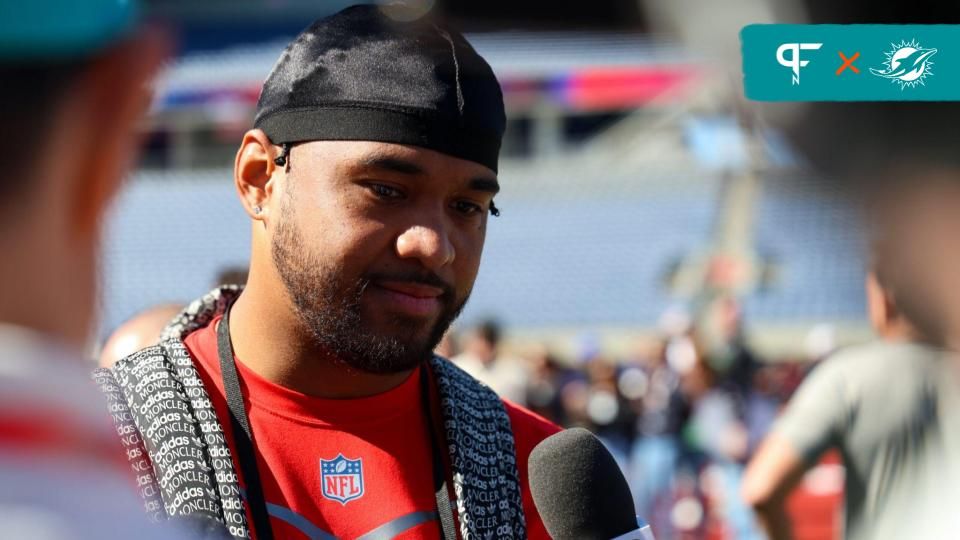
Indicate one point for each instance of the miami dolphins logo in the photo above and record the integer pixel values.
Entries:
(907, 64)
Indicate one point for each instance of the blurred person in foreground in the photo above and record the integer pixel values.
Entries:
(891, 408)
(74, 77)
(313, 391)
(900, 160)
(483, 359)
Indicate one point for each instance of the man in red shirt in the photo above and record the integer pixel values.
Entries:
(313, 395)
(298, 431)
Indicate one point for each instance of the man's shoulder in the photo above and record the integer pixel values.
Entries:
(196, 341)
(860, 389)
(875, 352)
(876, 363)
(154, 355)
(168, 356)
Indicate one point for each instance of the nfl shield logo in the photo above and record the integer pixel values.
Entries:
(341, 479)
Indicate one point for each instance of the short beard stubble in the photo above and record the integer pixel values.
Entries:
(329, 304)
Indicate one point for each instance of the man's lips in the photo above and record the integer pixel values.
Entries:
(408, 297)
(416, 290)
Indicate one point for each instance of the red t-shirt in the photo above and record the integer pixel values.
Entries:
(390, 488)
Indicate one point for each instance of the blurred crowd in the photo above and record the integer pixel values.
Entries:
(681, 413)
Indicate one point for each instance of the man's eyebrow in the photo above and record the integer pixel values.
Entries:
(397, 165)
(403, 166)
(489, 185)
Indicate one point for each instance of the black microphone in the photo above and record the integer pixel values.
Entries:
(580, 492)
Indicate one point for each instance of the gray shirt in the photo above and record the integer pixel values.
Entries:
(893, 412)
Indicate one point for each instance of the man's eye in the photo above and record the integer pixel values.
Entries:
(385, 192)
(467, 208)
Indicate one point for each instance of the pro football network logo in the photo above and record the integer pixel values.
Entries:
(907, 64)
(341, 479)
(794, 62)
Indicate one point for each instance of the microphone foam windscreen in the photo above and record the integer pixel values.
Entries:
(578, 488)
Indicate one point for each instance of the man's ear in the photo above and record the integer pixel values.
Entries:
(108, 102)
(253, 171)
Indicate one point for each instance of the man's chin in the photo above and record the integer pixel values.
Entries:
(408, 333)
(385, 366)
(387, 343)
(385, 353)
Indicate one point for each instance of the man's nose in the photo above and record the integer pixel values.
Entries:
(429, 243)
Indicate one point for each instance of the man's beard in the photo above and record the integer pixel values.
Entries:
(329, 305)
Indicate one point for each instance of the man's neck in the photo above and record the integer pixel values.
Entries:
(269, 338)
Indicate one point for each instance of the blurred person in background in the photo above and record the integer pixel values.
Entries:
(661, 413)
(547, 377)
(314, 390)
(719, 333)
(716, 371)
(714, 445)
(607, 412)
(138, 332)
(900, 161)
(484, 361)
(145, 328)
(232, 275)
(74, 86)
(890, 407)
(448, 347)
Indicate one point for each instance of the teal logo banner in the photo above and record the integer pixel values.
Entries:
(855, 62)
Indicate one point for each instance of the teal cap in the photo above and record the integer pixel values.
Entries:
(62, 29)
